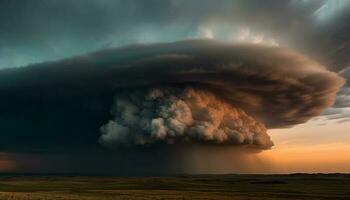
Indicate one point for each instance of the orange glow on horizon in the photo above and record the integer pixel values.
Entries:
(323, 158)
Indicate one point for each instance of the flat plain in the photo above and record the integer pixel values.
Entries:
(236, 187)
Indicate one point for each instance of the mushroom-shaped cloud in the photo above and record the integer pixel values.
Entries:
(217, 93)
(200, 91)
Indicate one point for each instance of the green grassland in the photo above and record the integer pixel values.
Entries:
(250, 187)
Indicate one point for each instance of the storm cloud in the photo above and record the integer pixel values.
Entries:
(201, 91)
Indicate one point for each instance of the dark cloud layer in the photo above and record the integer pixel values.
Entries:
(66, 102)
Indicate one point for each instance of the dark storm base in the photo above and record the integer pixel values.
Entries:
(237, 187)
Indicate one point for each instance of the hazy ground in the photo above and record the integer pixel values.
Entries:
(336, 186)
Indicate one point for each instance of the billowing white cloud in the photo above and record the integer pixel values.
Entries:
(180, 115)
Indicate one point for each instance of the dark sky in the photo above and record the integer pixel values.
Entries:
(36, 31)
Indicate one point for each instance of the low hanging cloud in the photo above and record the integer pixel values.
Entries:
(199, 91)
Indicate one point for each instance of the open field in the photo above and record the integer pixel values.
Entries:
(251, 187)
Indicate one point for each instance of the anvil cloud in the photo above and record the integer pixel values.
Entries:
(201, 84)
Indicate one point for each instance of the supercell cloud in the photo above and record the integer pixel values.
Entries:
(194, 91)
(135, 108)
(219, 93)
